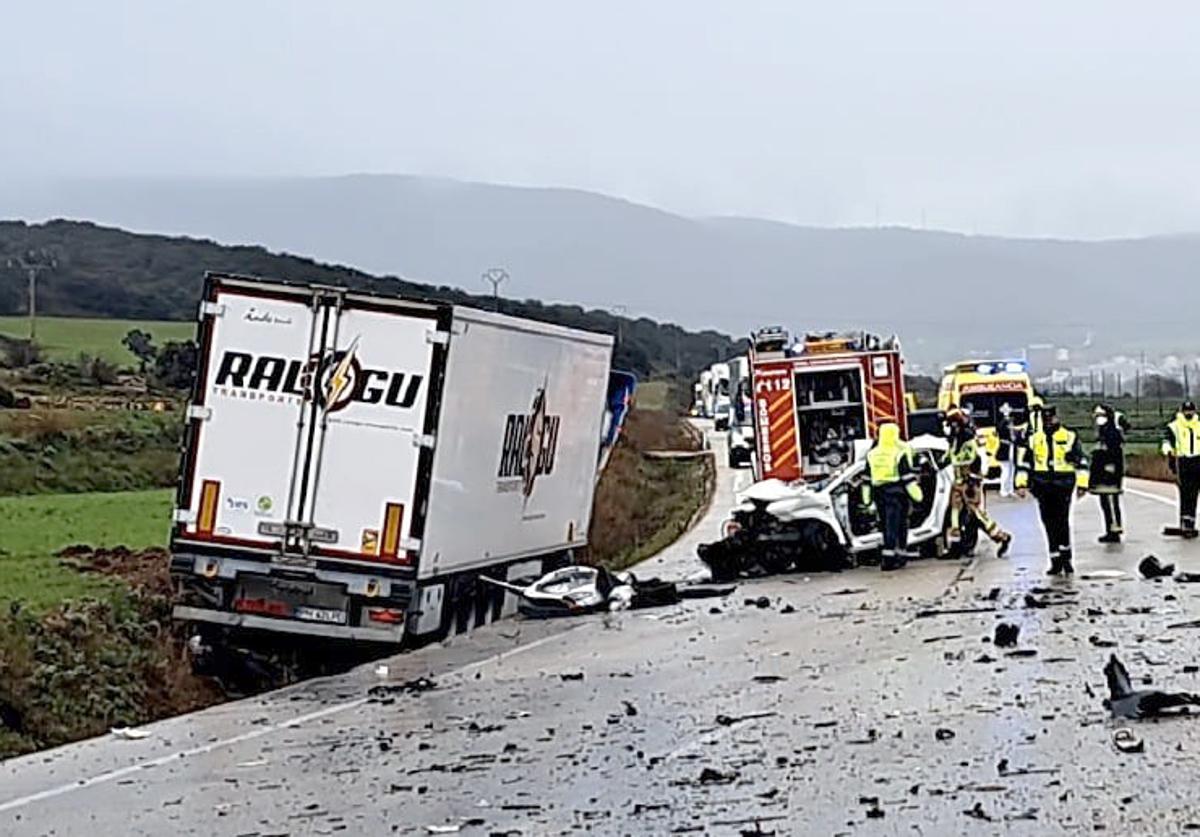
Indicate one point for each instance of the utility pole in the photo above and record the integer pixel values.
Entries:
(32, 263)
(620, 311)
(495, 276)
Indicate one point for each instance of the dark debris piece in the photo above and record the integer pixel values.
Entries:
(1151, 567)
(730, 720)
(952, 611)
(977, 813)
(409, 687)
(1124, 702)
(943, 734)
(712, 776)
(1034, 603)
(1006, 635)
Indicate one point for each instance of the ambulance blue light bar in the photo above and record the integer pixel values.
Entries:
(1002, 367)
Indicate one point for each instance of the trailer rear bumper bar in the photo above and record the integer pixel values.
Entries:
(247, 621)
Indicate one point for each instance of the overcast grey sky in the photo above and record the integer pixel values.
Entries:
(1066, 118)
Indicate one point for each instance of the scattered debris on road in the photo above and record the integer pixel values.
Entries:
(577, 590)
(1126, 741)
(952, 611)
(1006, 635)
(712, 776)
(1124, 702)
(385, 693)
(130, 733)
(730, 720)
(1151, 567)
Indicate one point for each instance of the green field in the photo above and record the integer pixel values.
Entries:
(64, 338)
(33, 528)
(653, 395)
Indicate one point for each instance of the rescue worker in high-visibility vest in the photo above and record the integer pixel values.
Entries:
(967, 497)
(1107, 474)
(892, 487)
(1033, 422)
(1054, 467)
(1024, 425)
(1181, 446)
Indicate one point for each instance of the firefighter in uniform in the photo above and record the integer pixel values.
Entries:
(966, 497)
(1181, 446)
(1054, 467)
(892, 485)
(1107, 474)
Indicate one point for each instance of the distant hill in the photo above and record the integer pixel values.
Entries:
(945, 294)
(105, 272)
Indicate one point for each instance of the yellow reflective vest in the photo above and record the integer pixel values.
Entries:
(1053, 458)
(1182, 437)
(891, 463)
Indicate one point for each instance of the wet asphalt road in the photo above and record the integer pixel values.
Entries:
(845, 696)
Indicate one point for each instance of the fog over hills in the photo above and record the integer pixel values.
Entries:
(945, 293)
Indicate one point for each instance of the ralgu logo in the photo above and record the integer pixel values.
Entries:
(530, 447)
(340, 380)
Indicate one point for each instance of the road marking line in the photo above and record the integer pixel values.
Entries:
(1149, 496)
(259, 732)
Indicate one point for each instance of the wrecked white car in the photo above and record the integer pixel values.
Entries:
(823, 525)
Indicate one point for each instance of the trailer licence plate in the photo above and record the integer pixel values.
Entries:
(320, 614)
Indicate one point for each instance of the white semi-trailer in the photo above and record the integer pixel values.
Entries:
(354, 463)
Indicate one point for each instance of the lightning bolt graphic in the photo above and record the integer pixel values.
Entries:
(340, 378)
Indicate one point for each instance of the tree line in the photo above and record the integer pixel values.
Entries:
(107, 272)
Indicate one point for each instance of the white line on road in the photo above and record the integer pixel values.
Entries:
(324, 712)
(1149, 496)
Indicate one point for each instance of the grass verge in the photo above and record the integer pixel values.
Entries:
(34, 528)
(64, 338)
(643, 505)
(49, 451)
(81, 652)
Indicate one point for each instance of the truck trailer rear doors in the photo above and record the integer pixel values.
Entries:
(308, 403)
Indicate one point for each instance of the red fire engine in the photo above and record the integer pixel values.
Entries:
(812, 400)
